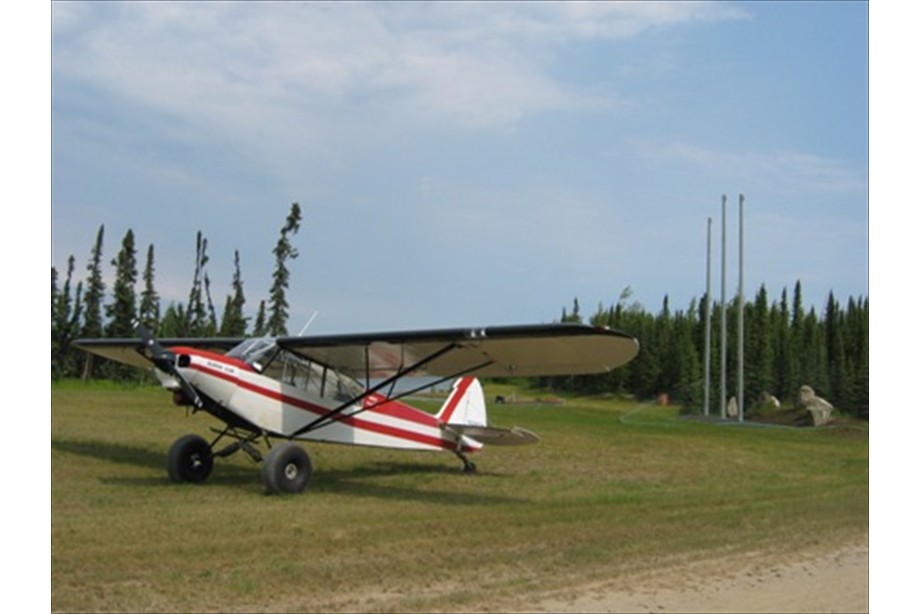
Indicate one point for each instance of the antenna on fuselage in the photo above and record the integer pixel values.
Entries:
(307, 325)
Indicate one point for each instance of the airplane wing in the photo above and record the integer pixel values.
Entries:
(500, 351)
(133, 351)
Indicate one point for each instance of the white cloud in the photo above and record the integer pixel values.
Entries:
(240, 64)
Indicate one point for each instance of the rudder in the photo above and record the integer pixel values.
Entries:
(465, 405)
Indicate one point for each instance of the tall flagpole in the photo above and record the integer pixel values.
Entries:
(723, 345)
(707, 313)
(741, 308)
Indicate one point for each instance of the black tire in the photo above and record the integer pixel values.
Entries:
(286, 469)
(189, 460)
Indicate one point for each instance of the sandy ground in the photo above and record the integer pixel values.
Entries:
(829, 580)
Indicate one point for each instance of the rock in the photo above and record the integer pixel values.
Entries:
(767, 400)
(732, 410)
(814, 410)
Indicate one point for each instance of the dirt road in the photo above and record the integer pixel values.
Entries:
(829, 580)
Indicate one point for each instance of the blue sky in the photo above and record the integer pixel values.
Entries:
(468, 163)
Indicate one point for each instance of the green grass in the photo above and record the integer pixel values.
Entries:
(614, 486)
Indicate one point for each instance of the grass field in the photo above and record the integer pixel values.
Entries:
(613, 487)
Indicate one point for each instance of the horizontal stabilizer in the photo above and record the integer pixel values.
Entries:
(494, 436)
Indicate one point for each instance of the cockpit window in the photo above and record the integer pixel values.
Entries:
(317, 379)
(267, 358)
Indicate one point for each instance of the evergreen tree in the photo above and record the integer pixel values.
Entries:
(284, 251)
(858, 343)
(836, 357)
(211, 323)
(65, 321)
(55, 331)
(148, 312)
(92, 301)
(196, 313)
(688, 385)
(122, 312)
(783, 375)
(814, 354)
(260, 329)
(646, 369)
(758, 354)
(576, 313)
(797, 366)
(173, 323)
(666, 346)
(234, 323)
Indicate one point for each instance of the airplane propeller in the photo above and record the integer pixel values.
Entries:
(165, 361)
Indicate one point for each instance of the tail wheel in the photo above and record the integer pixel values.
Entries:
(190, 459)
(286, 469)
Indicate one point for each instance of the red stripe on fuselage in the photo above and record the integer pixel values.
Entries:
(388, 408)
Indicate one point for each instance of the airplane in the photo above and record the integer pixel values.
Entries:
(343, 389)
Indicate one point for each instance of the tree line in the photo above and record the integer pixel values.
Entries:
(786, 346)
(81, 308)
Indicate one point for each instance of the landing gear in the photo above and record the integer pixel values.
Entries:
(286, 469)
(468, 465)
(189, 460)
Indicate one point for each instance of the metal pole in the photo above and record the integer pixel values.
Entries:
(707, 313)
(722, 346)
(741, 308)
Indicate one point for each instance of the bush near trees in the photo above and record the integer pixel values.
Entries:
(785, 345)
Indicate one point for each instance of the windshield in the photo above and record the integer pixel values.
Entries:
(254, 350)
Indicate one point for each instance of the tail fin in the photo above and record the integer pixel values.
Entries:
(466, 404)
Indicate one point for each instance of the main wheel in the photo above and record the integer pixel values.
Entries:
(189, 459)
(286, 469)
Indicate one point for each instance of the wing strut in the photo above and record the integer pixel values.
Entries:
(330, 419)
(333, 415)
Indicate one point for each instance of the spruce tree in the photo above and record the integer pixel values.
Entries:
(759, 361)
(260, 329)
(210, 328)
(782, 372)
(798, 375)
(66, 311)
(284, 251)
(814, 354)
(233, 323)
(173, 322)
(55, 332)
(196, 314)
(148, 312)
(858, 345)
(836, 357)
(92, 301)
(122, 312)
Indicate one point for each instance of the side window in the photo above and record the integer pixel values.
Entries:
(318, 380)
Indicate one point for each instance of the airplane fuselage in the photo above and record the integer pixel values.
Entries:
(286, 405)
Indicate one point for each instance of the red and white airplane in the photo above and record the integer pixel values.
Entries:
(311, 388)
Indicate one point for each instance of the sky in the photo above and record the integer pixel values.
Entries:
(466, 163)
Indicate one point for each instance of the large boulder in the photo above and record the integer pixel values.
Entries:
(813, 410)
